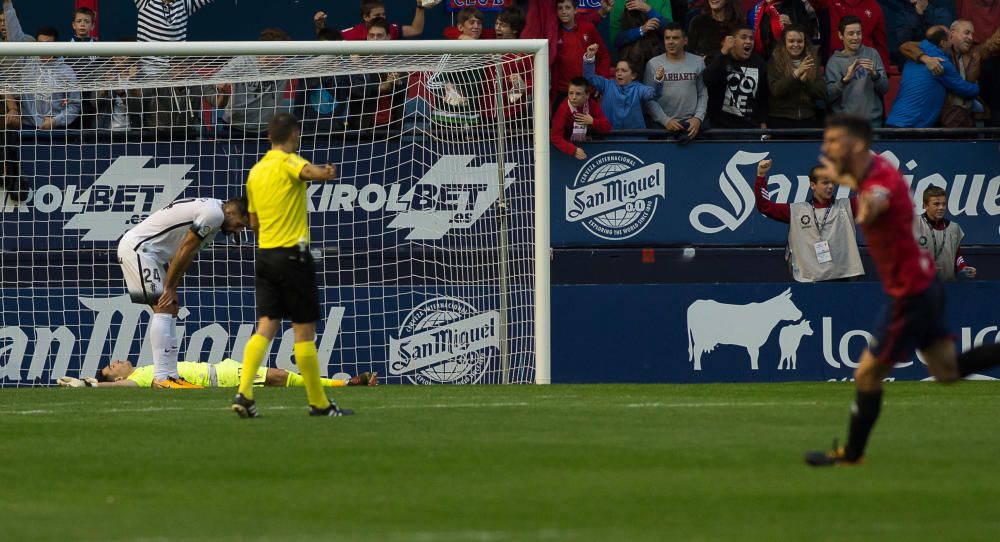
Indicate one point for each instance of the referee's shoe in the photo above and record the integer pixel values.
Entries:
(245, 408)
(332, 410)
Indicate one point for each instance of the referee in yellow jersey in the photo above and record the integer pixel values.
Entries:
(285, 276)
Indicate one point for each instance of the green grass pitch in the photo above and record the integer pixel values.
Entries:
(489, 463)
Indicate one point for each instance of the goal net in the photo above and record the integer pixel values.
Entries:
(431, 245)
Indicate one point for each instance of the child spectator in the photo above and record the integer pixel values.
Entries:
(576, 118)
(470, 23)
(794, 82)
(517, 68)
(822, 241)
(467, 96)
(575, 36)
(622, 97)
(872, 23)
(855, 77)
(736, 79)
(716, 21)
(682, 104)
(49, 110)
(640, 38)
(941, 237)
(510, 23)
(768, 17)
(119, 110)
(921, 94)
(375, 9)
(84, 20)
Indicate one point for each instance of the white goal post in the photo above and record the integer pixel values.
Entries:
(432, 246)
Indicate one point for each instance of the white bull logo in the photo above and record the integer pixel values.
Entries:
(711, 323)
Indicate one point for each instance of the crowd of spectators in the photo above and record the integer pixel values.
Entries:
(677, 66)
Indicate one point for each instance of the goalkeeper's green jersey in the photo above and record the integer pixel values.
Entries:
(227, 374)
(192, 371)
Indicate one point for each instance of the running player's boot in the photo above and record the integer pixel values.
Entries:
(173, 383)
(367, 378)
(332, 410)
(244, 408)
(830, 458)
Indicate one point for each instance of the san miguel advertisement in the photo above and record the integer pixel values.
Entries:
(652, 193)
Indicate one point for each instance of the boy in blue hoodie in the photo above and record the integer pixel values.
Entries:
(622, 97)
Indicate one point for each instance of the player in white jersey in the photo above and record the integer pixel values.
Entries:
(154, 256)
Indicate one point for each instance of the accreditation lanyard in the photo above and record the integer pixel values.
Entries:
(934, 244)
(826, 216)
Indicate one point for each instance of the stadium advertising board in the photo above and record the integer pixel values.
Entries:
(441, 340)
(702, 193)
(406, 245)
(87, 197)
(738, 332)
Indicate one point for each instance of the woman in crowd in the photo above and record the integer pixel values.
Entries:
(794, 81)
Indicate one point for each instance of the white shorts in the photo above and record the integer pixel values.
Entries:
(144, 276)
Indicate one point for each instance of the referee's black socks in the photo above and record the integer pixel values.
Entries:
(978, 359)
(864, 412)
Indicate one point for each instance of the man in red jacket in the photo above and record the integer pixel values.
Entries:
(872, 24)
(575, 118)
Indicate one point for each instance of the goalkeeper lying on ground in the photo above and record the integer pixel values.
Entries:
(225, 374)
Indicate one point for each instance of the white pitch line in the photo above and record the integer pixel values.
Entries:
(717, 404)
(264, 408)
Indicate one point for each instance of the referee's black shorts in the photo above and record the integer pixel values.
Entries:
(285, 280)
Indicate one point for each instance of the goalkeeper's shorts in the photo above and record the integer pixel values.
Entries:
(144, 275)
(226, 374)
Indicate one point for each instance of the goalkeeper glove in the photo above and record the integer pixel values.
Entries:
(70, 382)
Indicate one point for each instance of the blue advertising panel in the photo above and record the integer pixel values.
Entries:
(86, 196)
(656, 193)
(738, 332)
(409, 244)
(408, 335)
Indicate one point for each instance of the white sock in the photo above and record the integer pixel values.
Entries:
(172, 351)
(160, 343)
